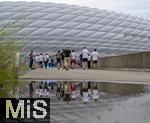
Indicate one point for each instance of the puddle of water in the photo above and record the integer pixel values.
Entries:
(117, 103)
(122, 89)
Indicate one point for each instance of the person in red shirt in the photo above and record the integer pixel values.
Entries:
(31, 59)
(73, 91)
(73, 56)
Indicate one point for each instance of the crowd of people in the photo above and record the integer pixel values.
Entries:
(65, 59)
(66, 91)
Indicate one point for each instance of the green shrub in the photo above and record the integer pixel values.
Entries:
(8, 50)
(8, 68)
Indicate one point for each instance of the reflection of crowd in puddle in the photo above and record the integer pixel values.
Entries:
(66, 91)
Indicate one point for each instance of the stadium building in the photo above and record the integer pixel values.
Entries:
(47, 27)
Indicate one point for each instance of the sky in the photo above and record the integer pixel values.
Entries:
(139, 8)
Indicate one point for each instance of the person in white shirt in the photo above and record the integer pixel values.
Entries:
(85, 93)
(41, 59)
(46, 60)
(95, 55)
(73, 56)
(95, 94)
(85, 54)
(37, 61)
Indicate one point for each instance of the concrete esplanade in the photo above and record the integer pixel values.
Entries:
(87, 75)
(130, 68)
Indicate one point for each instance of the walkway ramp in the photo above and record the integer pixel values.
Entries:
(87, 75)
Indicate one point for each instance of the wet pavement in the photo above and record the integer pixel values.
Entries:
(133, 110)
(76, 110)
(115, 102)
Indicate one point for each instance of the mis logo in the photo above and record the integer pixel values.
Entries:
(24, 110)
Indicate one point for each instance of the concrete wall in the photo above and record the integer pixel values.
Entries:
(136, 60)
